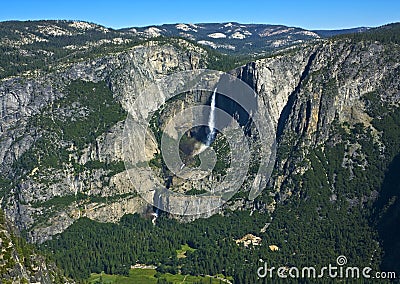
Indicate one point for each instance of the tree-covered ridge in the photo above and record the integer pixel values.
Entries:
(42, 46)
(20, 262)
(38, 57)
(386, 209)
(385, 34)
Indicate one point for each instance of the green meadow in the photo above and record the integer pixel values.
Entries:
(148, 276)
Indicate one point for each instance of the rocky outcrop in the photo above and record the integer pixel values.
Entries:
(19, 263)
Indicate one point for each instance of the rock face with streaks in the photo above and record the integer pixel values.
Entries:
(52, 172)
(308, 90)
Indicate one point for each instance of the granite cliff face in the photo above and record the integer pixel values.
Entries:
(309, 90)
(61, 131)
(93, 168)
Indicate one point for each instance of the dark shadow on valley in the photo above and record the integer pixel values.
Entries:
(387, 217)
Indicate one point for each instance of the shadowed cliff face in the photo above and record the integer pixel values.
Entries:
(285, 114)
(387, 210)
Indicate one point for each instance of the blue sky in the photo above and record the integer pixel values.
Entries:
(117, 14)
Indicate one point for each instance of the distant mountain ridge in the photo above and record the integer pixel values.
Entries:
(229, 37)
(237, 38)
(329, 33)
(33, 45)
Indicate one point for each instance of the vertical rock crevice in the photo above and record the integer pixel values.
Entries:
(285, 114)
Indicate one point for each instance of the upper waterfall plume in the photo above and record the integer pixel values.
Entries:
(211, 120)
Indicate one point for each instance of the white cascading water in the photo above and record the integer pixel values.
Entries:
(158, 204)
(211, 125)
(155, 214)
(211, 120)
(154, 218)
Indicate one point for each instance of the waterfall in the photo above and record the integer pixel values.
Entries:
(156, 214)
(158, 205)
(211, 120)
(211, 124)
(154, 218)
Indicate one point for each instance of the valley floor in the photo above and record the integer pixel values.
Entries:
(148, 276)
